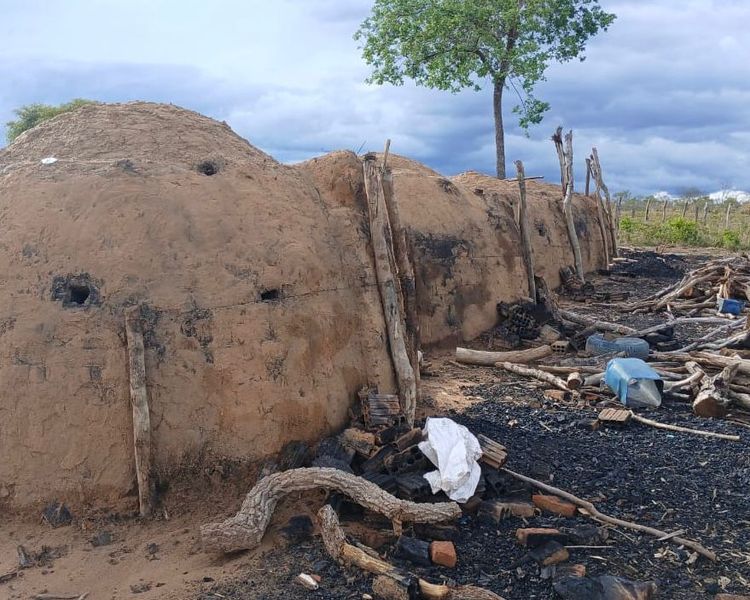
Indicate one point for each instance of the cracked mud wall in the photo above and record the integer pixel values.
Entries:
(260, 323)
(260, 307)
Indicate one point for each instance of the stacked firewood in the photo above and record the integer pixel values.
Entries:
(700, 289)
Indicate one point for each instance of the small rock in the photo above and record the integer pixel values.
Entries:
(413, 550)
(554, 505)
(103, 538)
(57, 514)
(444, 554)
(307, 581)
(140, 588)
(152, 548)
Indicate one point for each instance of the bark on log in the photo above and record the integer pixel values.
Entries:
(602, 325)
(380, 233)
(712, 399)
(574, 381)
(593, 512)
(139, 404)
(366, 559)
(523, 225)
(245, 530)
(536, 374)
(565, 156)
(490, 359)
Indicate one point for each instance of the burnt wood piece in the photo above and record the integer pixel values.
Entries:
(493, 454)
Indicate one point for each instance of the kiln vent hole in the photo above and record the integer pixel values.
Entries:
(79, 293)
(208, 167)
(270, 295)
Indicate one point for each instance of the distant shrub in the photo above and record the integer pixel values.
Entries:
(32, 114)
(678, 230)
(730, 239)
(628, 225)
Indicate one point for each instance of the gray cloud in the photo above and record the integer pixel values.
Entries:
(664, 95)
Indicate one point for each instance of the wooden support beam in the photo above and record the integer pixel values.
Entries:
(139, 404)
(565, 156)
(523, 225)
(389, 286)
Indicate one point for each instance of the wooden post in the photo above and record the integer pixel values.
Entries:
(139, 403)
(726, 217)
(523, 224)
(648, 207)
(565, 155)
(705, 212)
(664, 211)
(596, 171)
(632, 211)
(388, 285)
(588, 175)
(697, 208)
(684, 208)
(406, 276)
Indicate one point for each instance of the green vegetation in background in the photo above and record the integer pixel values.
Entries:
(456, 44)
(706, 227)
(32, 114)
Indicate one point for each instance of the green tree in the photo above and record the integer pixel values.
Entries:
(32, 114)
(457, 44)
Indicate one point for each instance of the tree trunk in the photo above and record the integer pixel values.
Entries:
(648, 208)
(726, 217)
(664, 211)
(684, 208)
(499, 131)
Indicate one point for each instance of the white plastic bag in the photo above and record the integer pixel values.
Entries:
(454, 450)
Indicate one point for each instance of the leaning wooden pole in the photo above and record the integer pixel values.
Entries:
(597, 172)
(139, 403)
(406, 273)
(523, 225)
(565, 155)
(588, 175)
(388, 285)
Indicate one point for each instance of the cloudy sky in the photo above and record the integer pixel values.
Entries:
(664, 94)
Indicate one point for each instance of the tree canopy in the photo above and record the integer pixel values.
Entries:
(456, 44)
(31, 115)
